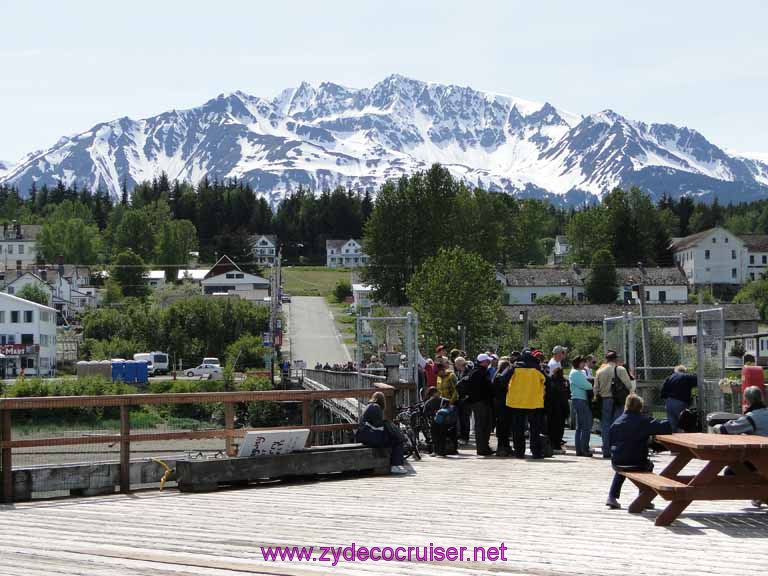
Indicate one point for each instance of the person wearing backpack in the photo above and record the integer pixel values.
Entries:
(612, 386)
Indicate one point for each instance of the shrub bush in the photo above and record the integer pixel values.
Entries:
(342, 291)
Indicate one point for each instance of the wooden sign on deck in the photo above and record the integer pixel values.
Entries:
(273, 442)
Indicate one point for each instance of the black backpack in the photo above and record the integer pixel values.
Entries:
(619, 390)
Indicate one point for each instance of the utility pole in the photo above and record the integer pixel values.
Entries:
(526, 327)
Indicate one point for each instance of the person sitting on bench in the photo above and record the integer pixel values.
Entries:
(629, 436)
(376, 432)
(755, 419)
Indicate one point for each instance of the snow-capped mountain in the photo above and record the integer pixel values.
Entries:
(5, 167)
(328, 135)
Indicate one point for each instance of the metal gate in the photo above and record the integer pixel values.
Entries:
(376, 335)
(710, 359)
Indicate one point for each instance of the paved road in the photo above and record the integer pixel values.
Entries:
(314, 337)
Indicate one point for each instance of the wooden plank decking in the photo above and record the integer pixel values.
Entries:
(550, 514)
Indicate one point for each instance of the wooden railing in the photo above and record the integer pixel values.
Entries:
(125, 438)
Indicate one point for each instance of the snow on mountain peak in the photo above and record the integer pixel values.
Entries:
(325, 135)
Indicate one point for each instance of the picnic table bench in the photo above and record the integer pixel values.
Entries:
(745, 456)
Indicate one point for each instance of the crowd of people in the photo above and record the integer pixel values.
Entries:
(527, 395)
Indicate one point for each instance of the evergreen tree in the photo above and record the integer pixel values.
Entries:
(602, 286)
(129, 271)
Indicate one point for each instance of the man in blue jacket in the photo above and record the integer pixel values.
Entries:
(629, 436)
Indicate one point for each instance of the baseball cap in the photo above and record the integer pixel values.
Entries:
(538, 354)
(483, 358)
(558, 349)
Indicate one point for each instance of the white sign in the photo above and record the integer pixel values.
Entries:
(272, 442)
(300, 364)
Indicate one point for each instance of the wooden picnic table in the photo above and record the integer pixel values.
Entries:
(746, 456)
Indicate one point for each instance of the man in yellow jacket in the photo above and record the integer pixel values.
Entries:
(525, 401)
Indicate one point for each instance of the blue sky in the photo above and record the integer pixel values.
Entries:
(65, 66)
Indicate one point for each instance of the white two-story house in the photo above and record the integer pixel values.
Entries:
(264, 249)
(714, 257)
(345, 254)
(27, 337)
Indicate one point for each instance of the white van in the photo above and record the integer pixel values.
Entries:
(157, 362)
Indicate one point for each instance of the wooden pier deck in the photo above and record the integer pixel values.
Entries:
(550, 515)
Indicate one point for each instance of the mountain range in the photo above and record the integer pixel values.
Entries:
(328, 135)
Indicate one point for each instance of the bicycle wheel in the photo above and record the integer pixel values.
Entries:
(414, 442)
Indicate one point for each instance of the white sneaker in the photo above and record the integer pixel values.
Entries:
(398, 470)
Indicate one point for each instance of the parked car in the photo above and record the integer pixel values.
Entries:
(212, 360)
(204, 370)
(286, 298)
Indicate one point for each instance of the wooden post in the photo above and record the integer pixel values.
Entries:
(306, 418)
(229, 425)
(125, 450)
(7, 456)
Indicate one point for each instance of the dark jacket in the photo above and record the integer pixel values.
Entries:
(629, 436)
(477, 386)
(556, 395)
(679, 386)
(371, 431)
(500, 383)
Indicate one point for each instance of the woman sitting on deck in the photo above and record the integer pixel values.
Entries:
(376, 432)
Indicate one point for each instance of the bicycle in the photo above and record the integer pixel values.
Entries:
(412, 422)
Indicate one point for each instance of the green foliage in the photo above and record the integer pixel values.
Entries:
(187, 329)
(128, 272)
(602, 284)
(737, 349)
(454, 288)
(176, 240)
(755, 292)
(115, 347)
(554, 300)
(628, 225)
(578, 338)
(342, 291)
(257, 414)
(418, 215)
(69, 233)
(35, 293)
(706, 296)
(246, 352)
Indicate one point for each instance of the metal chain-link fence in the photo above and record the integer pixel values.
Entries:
(710, 349)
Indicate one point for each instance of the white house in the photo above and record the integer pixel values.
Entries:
(17, 246)
(192, 275)
(714, 256)
(155, 278)
(27, 337)
(264, 249)
(226, 278)
(526, 285)
(559, 251)
(757, 254)
(67, 294)
(345, 254)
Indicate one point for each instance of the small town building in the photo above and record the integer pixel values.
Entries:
(361, 298)
(757, 255)
(17, 246)
(68, 287)
(264, 249)
(714, 257)
(559, 251)
(527, 285)
(345, 254)
(27, 337)
(227, 279)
